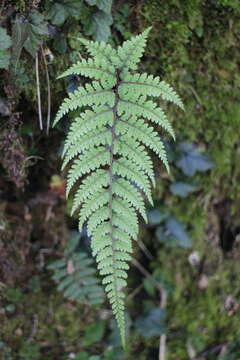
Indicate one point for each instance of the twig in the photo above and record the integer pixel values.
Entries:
(34, 329)
(48, 90)
(134, 292)
(211, 350)
(38, 94)
(163, 303)
(145, 250)
(153, 281)
(162, 347)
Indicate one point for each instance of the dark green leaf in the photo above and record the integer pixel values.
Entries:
(151, 323)
(73, 7)
(37, 28)
(5, 43)
(192, 161)
(100, 26)
(5, 40)
(58, 14)
(83, 355)
(182, 189)
(94, 333)
(104, 5)
(173, 234)
(19, 36)
(156, 216)
(60, 43)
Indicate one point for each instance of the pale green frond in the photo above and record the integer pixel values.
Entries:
(123, 236)
(125, 168)
(91, 94)
(127, 191)
(148, 85)
(81, 284)
(122, 223)
(88, 162)
(108, 142)
(88, 122)
(92, 204)
(130, 148)
(99, 244)
(97, 218)
(132, 50)
(119, 255)
(100, 50)
(93, 183)
(94, 69)
(122, 244)
(124, 208)
(147, 109)
(139, 130)
(98, 138)
(106, 263)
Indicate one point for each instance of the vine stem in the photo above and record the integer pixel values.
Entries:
(48, 91)
(38, 93)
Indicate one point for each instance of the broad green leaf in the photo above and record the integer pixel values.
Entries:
(5, 40)
(37, 28)
(104, 5)
(173, 233)
(58, 14)
(5, 43)
(19, 36)
(100, 26)
(192, 160)
(151, 323)
(182, 189)
(94, 333)
(156, 216)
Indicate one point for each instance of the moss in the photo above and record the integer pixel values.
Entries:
(49, 322)
(194, 45)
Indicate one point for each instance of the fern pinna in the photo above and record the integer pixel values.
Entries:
(107, 147)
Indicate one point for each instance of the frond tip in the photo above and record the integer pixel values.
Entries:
(107, 146)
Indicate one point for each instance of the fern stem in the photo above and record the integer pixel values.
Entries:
(111, 195)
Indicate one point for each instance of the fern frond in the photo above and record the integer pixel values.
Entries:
(147, 109)
(100, 50)
(128, 192)
(130, 148)
(125, 168)
(91, 94)
(102, 137)
(94, 69)
(107, 148)
(148, 85)
(89, 161)
(92, 184)
(132, 50)
(87, 122)
(78, 283)
(139, 130)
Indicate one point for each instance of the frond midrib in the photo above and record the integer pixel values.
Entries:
(111, 196)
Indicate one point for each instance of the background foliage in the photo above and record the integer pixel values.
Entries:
(194, 45)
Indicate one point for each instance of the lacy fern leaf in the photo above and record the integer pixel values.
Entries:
(75, 275)
(107, 148)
